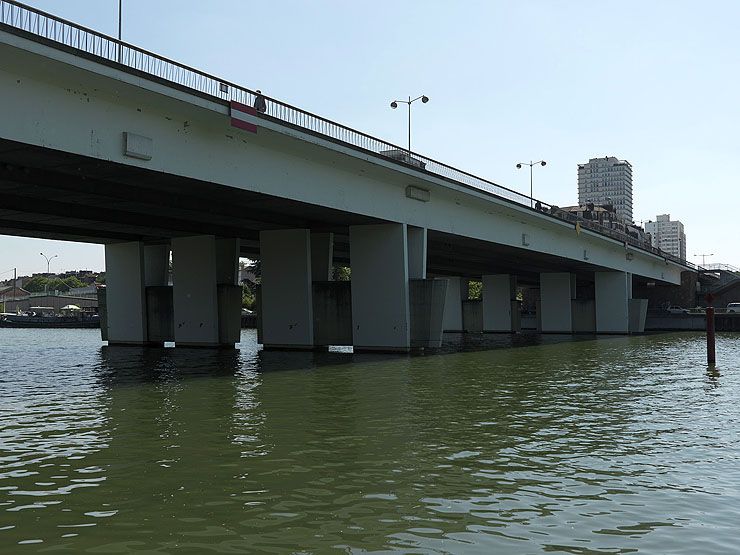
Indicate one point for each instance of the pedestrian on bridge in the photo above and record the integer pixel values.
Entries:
(260, 104)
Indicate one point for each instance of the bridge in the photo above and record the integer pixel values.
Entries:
(101, 141)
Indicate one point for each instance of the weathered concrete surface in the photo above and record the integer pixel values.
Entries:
(160, 313)
(332, 313)
(427, 300)
(584, 315)
(472, 315)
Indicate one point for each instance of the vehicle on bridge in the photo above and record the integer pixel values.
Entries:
(733, 307)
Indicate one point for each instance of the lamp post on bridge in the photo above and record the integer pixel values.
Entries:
(703, 258)
(120, 21)
(424, 99)
(531, 165)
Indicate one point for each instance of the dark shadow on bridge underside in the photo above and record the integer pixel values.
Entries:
(52, 194)
(56, 195)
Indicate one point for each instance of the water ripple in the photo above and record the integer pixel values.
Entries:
(617, 445)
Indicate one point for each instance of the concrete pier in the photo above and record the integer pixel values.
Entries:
(380, 287)
(125, 294)
(613, 294)
(499, 303)
(286, 292)
(194, 291)
(556, 292)
(456, 293)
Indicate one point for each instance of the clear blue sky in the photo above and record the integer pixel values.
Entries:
(656, 83)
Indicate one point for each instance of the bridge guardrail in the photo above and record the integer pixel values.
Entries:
(52, 28)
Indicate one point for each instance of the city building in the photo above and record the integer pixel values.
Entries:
(668, 235)
(607, 181)
(606, 216)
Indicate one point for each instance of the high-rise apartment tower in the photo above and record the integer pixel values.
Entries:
(667, 235)
(607, 180)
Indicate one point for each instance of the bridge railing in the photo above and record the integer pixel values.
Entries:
(723, 267)
(37, 23)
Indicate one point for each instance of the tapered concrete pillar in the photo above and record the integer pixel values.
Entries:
(322, 256)
(613, 294)
(457, 292)
(286, 302)
(380, 287)
(498, 293)
(156, 265)
(227, 261)
(229, 291)
(125, 294)
(195, 296)
(556, 292)
(416, 239)
(159, 310)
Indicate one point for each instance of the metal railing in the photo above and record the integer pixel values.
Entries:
(723, 267)
(22, 19)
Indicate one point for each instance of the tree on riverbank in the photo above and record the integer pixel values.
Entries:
(38, 284)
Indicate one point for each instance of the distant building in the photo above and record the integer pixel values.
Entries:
(607, 180)
(8, 292)
(607, 216)
(668, 235)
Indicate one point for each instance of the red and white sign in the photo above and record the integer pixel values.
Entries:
(244, 117)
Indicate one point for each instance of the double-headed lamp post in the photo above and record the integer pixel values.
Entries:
(48, 260)
(394, 105)
(704, 257)
(530, 164)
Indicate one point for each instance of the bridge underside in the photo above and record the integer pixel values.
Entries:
(56, 195)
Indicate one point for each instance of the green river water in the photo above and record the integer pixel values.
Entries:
(530, 445)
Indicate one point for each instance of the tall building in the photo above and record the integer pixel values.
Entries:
(667, 235)
(607, 180)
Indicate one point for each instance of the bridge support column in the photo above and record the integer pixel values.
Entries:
(125, 294)
(416, 239)
(159, 315)
(500, 307)
(556, 292)
(322, 256)
(206, 299)
(426, 296)
(457, 292)
(380, 287)
(286, 302)
(613, 295)
(229, 292)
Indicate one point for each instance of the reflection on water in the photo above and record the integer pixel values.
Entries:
(496, 444)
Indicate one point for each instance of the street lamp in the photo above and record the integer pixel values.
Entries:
(530, 164)
(120, 22)
(48, 260)
(703, 258)
(394, 105)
